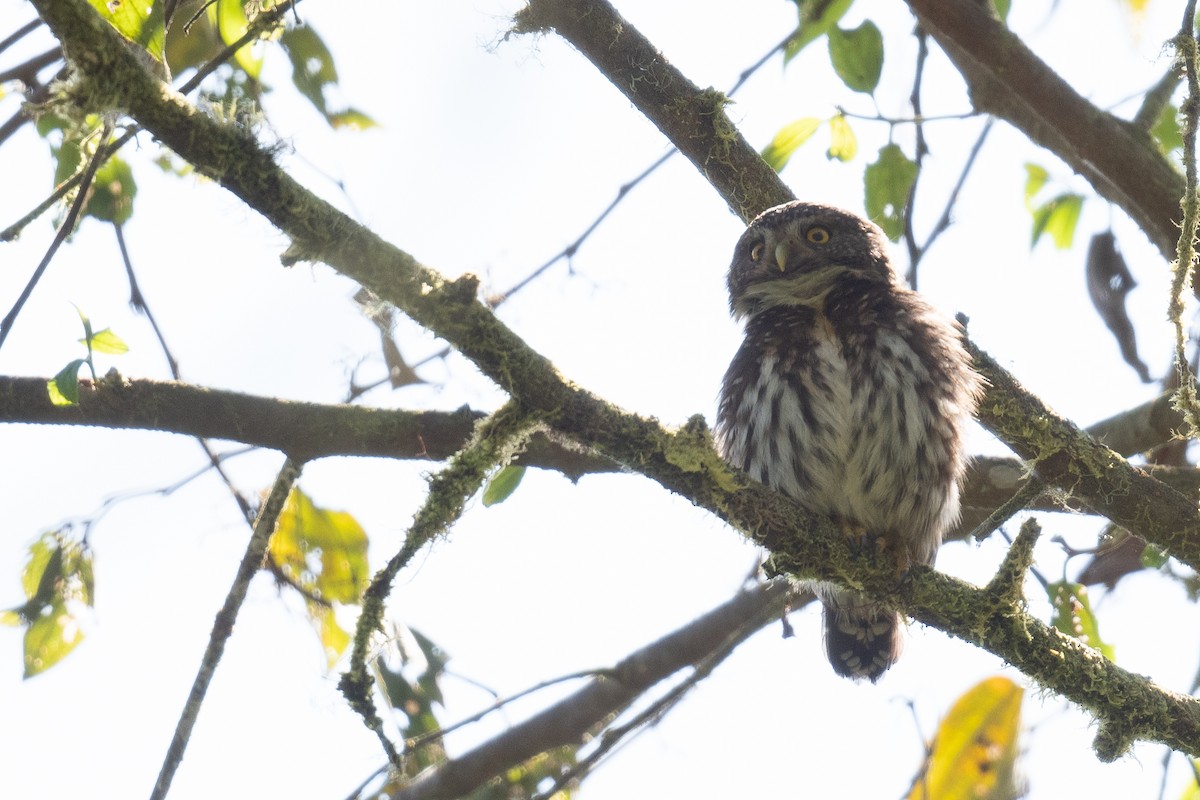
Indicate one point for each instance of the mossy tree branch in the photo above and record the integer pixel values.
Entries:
(685, 462)
(310, 431)
(494, 442)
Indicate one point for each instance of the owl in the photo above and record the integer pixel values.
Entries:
(849, 394)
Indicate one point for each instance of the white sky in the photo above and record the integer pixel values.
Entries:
(491, 157)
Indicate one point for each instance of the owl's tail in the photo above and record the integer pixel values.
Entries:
(862, 639)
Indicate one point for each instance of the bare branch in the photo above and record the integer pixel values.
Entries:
(252, 560)
(1006, 79)
(307, 431)
(570, 720)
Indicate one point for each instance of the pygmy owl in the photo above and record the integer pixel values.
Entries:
(849, 395)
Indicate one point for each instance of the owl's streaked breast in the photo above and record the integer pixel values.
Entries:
(840, 424)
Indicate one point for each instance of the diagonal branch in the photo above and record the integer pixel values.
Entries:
(252, 560)
(570, 720)
(1006, 79)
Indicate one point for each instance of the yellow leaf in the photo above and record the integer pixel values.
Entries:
(323, 551)
(975, 747)
(843, 144)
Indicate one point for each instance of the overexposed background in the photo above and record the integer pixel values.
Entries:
(490, 157)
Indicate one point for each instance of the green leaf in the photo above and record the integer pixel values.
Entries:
(63, 388)
(57, 574)
(43, 569)
(974, 750)
(351, 118)
(843, 145)
(857, 56)
(1002, 9)
(324, 552)
(106, 341)
(1035, 179)
(816, 18)
(141, 23)
(1057, 217)
(888, 182)
(314, 73)
(503, 484)
(229, 17)
(313, 69)
(112, 192)
(788, 140)
(49, 639)
(1073, 615)
(1154, 557)
(1166, 130)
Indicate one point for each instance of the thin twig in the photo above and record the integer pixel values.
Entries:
(138, 301)
(651, 716)
(921, 150)
(27, 71)
(20, 33)
(64, 230)
(414, 742)
(222, 629)
(943, 223)
(1020, 500)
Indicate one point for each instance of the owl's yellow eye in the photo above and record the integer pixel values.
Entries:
(756, 252)
(817, 235)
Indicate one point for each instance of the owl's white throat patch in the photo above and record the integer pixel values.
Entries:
(804, 288)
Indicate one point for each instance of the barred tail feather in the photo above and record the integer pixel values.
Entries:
(862, 641)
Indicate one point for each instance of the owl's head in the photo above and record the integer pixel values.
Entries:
(795, 253)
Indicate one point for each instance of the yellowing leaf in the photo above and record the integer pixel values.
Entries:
(334, 638)
(323, 551)
(140, 22)
(229, 17)
(788, 140)
(1192, 792)
(49, 639)
(975, 747)
(106, 341)
(1073, 616)
(1057, 217)
(843, 145)
(1035, 179)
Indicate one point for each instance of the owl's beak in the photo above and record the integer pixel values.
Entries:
(782, 252)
